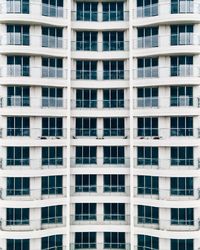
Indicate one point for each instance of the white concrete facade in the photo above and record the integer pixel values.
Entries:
(50, 129)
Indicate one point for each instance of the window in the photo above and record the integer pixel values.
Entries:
(52, 156)
(147, 37)
(18, 186)
(17, 244)
(52, 37)
(52, 185)
(181, 244)
(113, 11)
(86, 11)
(114, 211)
(114, 183)
(113, 155)
(53, 242)
(182, 216)
(147, 8)
(86, 183)
(182, 66)
(52, 67)
(147, 97)
(147, 67)
(17, 216)
(181, 186)
(52, 126)
(85, 240)
(114, 126)
(113, 40)
(181, 126)
(85, 211)
(146, 242)
(52, 97)
(18, 126)
(147, 126)
(18, 35)
(182, 6)
(86, 70)
(18, 66)
(18, 96)
(114, 240)
(17, 156)
(86, 127)
(148, 215)
(52, 214)
(52, 8)
(147, 156)
(113, 98)
(181, 34)
(182, 156)
(181, 96)
(86, 155)
(86, 40)
(18, 7)
(148, 185)
(86, 98)
(113, 70)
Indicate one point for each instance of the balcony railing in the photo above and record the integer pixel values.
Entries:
(29, 163)
(167, 194)
(155, 163)
(100, 133)
(118, 219)
(92, 16)
(166, 102)
(100, 76)
(173, 71)
(100, 46)
(105, 190)
(35, 133)
(100, 162)
(100, 246)
(33, 194)
(36, 102)
(165, 133)
(104, 104)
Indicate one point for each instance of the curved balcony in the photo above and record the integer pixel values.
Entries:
(169, 225)
(99, 190)
(176, 164)
(173, 194)
(26, 44)
(22, 12)
(33, 194)
(33, 133)
(167, 12)
(32, 225)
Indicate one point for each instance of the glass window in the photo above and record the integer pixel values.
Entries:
(86, 11)
(18, 66)
(52, 97)
(18, 156)
(18, 126)
(52, 126)
(113, 155)
(147, 126)
(182, 244)
(181, 186)
(86, 98)
(114, 240)
(148, 215)
(86, 127)
(52, 242)
(147, 67)
(18, 96)
(86, 40)
(182, 216)
(148, 185)
(113, 40)
(17, 244)
(52, 185)
(114, 126)
(114, 183)
(147, 97)
(182, 66)
(85, 183)
(18, 34)
(18, 186)
(86, 155)
(147, 242)
(181, 126)
(182, 156)
(181, 96)
(182, 6)
(17, 216)
(147, 156)
(52, 214)
(113, 70)
(18, 7)
(114, 211)
(147, 8)
(52, 67)
(52, 37)
(85, 211)
(86, 70)
(52, 156)
(52, 8)
(85, 240)
(147, 37)
(182, 34)
(113, 98)
(113, 11)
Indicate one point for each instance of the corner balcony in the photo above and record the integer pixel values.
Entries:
(173, 194)
(100, 219)
(32, 12)
(173, 164)
(30, 194)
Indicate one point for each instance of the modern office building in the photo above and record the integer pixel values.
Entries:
(99, 124)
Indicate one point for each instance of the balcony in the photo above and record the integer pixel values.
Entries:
(33, 194)
(97, 104)
(100, 46)
(148, 10)
(34, 133)
(94, 162)
(100, 133)
(155, 163)
(92, 16)
(100, 190)
(114, 75)
(100, 219)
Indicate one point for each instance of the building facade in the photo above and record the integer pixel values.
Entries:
(99, 125)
